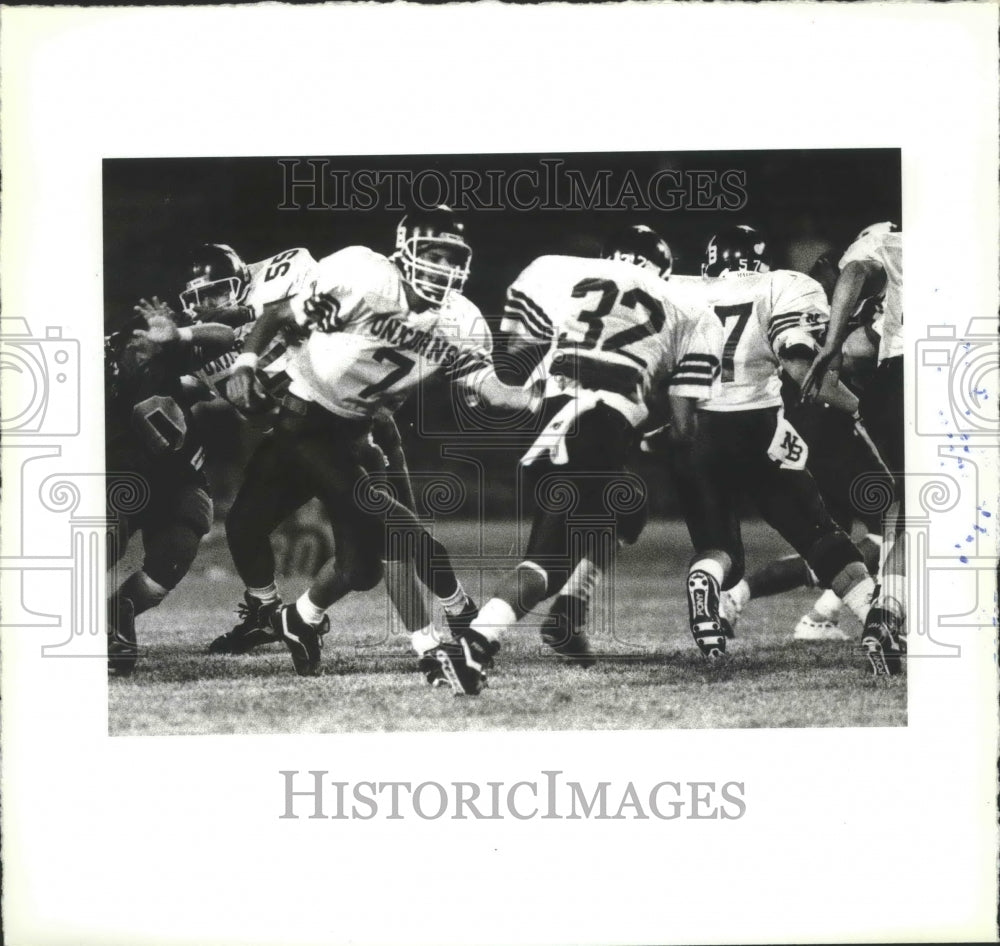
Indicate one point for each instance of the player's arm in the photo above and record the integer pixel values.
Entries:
(796, 361)
(857, 279)
(242, 389)
(482, 386)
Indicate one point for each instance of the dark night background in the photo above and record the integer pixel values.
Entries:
(156, 210)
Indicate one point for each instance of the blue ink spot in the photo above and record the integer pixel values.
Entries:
(957, 546)
(980, 530)
(988, 515)
(968, 538)
(963, 559)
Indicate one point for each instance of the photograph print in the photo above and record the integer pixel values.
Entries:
(504, 441)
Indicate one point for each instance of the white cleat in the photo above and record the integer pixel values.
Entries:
(729, 608)
(809, 630)
(732, 602)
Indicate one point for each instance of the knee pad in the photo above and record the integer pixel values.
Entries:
(830, 555)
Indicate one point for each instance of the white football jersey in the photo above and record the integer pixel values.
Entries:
(885, 249)
(760, 314)
(613, 327)
(278, 277)
(379, 349)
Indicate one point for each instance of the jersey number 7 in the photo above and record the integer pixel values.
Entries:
(403, 367)
(726, 314)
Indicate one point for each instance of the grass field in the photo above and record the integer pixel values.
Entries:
(650, 676)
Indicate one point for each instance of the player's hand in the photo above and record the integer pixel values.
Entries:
(816, 375)
(160, 330)
(155, 309)
(242, 389)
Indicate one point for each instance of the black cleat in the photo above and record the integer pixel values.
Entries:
(123, 651)
(461, 663)
(302, 640)
(884, 643)
(252, 631)
(708, 628)
(567, 637)
(459, 623)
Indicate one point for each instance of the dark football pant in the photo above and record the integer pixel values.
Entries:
(172, 525)
(580, 507)
(309, 454)
(728, 461)
(882, 413)
(838, 459)
(312, 453)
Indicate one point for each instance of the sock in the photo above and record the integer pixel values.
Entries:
(425, 639)
(826, 608)
(266, 595)
(494, 616)
(892, 594)
(779, 576)
(711, 567)
(859, 598)
(455, 602)
(308, 611)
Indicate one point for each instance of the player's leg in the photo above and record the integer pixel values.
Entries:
(122, 646)
(790, 502)
(270, 492)
(170, 537)
(704, 477)
(884, 636)
(594, 453)
(386, 462)
(564, 626)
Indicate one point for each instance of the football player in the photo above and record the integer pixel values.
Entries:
(745, 445)
(150, 432)
(617, 339)
(873, 265)
(840, 452)
(377, 328)
(223, 288)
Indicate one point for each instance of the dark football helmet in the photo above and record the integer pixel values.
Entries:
(642, 246)
(736, 249)
(432, 253)
(216, 276)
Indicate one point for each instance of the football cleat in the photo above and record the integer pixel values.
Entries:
(567, 638)
(304, 641)
(459, 623)
(123, 651)
(460, 664)
(253, 630)
(708, 627)
(809, 630)
(732, 603)
(884, 643)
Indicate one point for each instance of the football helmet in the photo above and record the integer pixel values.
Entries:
(736, 249)
(642, 246)
(216, 276)
(432, 254)
(885, 227)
